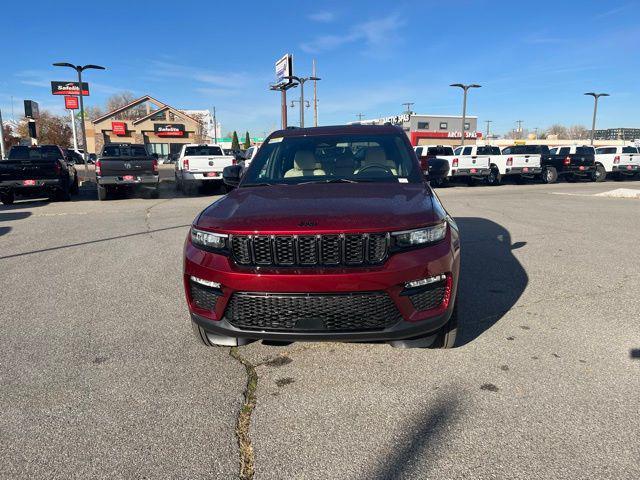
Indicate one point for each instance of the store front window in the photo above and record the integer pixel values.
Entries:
(162, 149)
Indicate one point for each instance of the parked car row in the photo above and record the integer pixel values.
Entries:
(490, 164)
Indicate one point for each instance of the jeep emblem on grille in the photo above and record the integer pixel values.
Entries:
(307, 223)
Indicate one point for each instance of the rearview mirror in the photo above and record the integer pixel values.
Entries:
(231, 175)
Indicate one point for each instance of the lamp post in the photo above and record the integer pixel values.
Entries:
(465, 88)
(595, 96)
(301, 81)
(79, 69)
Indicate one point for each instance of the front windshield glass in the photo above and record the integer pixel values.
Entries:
(333, 158)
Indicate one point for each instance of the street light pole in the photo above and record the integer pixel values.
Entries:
(488, 122)
(465, 88)
(301, 81)
(79, 69)
(1, 137)
(595, 96)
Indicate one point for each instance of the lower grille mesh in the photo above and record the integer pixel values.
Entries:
(429, 298)
(319, 312)
(203, 297)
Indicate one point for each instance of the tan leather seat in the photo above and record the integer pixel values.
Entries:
(375, 156)
(304, 165)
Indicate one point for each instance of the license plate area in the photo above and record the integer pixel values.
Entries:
(525, 169)
(29, 183)
(128, 178)
(211, 174)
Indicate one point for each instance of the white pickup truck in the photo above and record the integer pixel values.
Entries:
(521, 161)
(471, 163)
(618, 161)
(200, 164)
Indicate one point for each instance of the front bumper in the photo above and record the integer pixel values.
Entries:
(148, 180)
(470, 172)
(388, 278)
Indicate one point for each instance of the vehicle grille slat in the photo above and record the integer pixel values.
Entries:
(310, 250)
(319, 312)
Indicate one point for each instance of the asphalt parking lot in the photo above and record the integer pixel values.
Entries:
(101, 377)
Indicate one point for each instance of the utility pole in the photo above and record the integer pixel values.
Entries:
(301, 81)
(359, 115)
(519, 129)
(73, 130)
(2, 153)
(215, 126)
(595, 96)
(465, 88)
(408, 106)
(315, 95)
(536, 131)
(488, 122)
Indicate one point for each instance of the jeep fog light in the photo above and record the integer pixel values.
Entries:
(425, 281)
(206, 283)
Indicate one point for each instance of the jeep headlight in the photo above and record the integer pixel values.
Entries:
(209, 240)
(420, 236)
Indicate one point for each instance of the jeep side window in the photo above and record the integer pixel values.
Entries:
(564, 151)
(467, 151)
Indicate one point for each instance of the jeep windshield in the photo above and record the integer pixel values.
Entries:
(346, 158)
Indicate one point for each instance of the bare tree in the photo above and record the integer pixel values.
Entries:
(93, 112)
(557, 129)
(9, 138)
(51, 129)
(515, 134)
(118, 100)
(578, 132)
(200, 135)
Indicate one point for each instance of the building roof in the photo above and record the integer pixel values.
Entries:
(145, 98)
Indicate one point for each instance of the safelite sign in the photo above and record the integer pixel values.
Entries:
(71, 103)
(69, 88)
(169, 130)
(119, 128)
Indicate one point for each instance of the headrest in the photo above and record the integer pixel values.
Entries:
(304, 160)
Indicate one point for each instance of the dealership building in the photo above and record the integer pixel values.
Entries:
(163, 128)
(431, 129)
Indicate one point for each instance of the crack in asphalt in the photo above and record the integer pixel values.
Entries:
(147, 214)
(243, 423)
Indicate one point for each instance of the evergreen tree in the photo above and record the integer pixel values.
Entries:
(247, 141)
(235, 144)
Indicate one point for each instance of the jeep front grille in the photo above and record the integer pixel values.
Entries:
(310, 250)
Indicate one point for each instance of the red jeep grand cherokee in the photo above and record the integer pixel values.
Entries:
(332, 234)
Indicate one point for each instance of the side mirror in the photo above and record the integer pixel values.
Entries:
(231, 175)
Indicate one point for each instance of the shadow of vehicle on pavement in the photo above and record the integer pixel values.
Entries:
(491, 277)
(8, 216)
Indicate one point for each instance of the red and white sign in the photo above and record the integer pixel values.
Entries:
(71, 103)
(415, 136)
(119, 128)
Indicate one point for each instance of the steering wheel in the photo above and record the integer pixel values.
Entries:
(384, 168)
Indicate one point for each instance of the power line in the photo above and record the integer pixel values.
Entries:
(408, 106)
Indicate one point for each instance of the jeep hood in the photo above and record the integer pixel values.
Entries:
(318, 208)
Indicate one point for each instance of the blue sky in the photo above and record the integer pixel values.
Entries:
(534, 60)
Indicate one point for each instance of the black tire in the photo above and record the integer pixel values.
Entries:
(447, 336)
(75, 188)
(155, 193)
(189, 188)
(600, 175)
(102, 193)
(549, 175)
(8, 198)
(60, 195)
(494, 178)
(178, 184)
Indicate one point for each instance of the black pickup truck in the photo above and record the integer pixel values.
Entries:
(572, 162)
(37, 170)
(126, 166)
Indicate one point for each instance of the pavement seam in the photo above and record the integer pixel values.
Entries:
(243, 423)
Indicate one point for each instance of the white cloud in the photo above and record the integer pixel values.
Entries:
(218, 79)
(376, 35)
(323, 17)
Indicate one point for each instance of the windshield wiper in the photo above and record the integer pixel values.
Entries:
(331, 180)
(263, 184)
